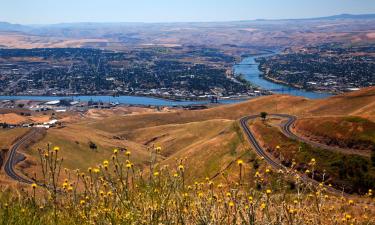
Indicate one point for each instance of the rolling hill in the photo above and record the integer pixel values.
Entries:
(190, 135)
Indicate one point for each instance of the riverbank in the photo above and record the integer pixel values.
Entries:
(123, 100)
(297, 86)
(249, 68)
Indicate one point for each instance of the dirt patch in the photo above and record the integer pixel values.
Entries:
(118, 111)
(12, 118)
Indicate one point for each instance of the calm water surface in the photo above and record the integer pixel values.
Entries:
(248, 67)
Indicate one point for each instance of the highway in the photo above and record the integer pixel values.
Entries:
(11, 161)
(274, 163)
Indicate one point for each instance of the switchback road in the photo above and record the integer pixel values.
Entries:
(270, 160)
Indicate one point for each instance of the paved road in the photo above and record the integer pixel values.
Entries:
(286, 129)
(11, 161)
(274, 163)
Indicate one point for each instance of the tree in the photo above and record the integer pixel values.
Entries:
(93, 146)
(263, 115)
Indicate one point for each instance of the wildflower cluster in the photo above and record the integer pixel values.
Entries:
(117, 192)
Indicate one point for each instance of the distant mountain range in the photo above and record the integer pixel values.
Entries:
(344, 28)
(348, 16)
(5, 26)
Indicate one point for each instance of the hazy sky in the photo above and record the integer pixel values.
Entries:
(58, 11)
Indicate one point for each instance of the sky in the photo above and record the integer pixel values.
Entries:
(67, 11)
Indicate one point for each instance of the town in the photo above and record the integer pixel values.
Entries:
(327, 68)
(173, 73)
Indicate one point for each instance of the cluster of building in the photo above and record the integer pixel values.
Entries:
(69, 72)
(327, 68)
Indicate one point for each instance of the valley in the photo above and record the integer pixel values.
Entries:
(263, 121)
(213, 134)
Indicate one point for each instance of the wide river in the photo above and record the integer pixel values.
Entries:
(248, 67)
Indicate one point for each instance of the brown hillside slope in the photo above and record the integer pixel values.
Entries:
(202, 134)
(348, 132)
(355, 103)
(360, 103)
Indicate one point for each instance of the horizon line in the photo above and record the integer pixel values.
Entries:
(182, 22)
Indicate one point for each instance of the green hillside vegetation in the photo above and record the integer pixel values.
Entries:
(352, 173)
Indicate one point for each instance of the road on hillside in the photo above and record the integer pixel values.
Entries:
(286, 129)
(274, 163)
(12, 160)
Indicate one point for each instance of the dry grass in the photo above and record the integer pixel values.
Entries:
(205, 138)
(79, 155)
(16, 40)
(208, 143)
(117, 192)
(9, 136)
(353, 173)
(12, 118)
(356, 103)
(346, 132)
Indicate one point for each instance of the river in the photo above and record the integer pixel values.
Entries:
(128, 100)
(248, 67)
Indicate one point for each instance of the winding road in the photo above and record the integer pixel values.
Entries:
(286, 129)
(12, 160)
(274, 163)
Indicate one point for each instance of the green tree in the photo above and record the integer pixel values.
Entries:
(263, 115)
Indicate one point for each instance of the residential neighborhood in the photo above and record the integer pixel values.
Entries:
(327, 68)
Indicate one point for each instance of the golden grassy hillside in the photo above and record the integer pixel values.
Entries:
(7, 137)
(12, 118)
(355, 103)
(75, 140)
(350, 132)
(204, 172)
(117, 192)
(361, 103)
(207, 140)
